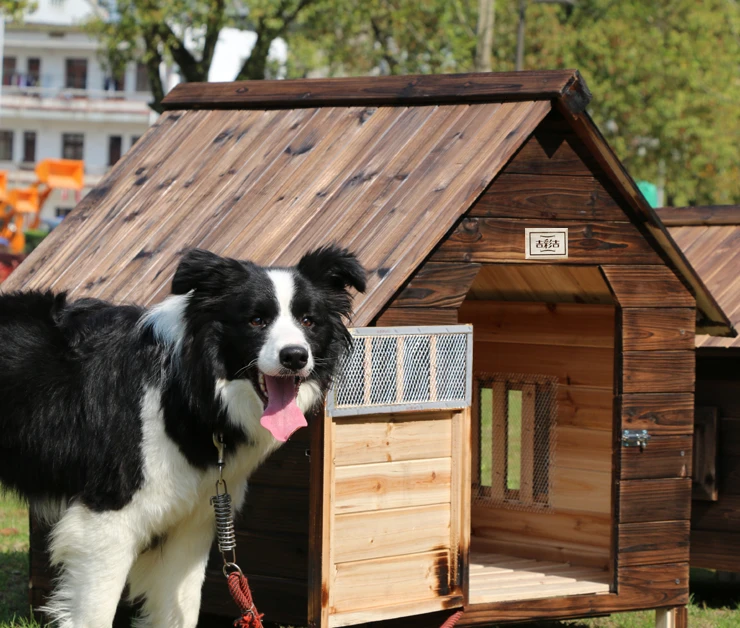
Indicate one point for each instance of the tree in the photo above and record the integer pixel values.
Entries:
(13, 10)
(185, 32)
(665, 73)
(382, 37)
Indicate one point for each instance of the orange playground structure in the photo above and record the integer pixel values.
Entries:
(21, 207)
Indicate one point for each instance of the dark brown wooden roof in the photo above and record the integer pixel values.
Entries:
(710, 239)
(267, 170)
(268, 185)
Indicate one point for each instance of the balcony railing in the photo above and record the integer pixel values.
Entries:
(47, 86)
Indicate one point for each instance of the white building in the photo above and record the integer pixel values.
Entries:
(57, 100)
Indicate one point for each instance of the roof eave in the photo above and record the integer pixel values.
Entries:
(711, 318)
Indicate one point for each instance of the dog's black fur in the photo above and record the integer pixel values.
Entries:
(72, 373)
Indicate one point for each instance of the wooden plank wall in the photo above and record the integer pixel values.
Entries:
(396, 522)
(272, 538)
(655, 392)
(575, 343)
(715, 526)
(553, 180)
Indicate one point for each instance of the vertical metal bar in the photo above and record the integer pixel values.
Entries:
(433, 367)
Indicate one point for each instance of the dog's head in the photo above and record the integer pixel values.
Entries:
(276, 328)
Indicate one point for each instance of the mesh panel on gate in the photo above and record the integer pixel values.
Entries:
(514, 440)
(399, 369)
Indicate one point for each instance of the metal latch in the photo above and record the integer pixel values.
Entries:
(635, 438)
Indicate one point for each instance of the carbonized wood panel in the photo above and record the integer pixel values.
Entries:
(658, 371)
(654, 500)
(392, 437)
(438, 285)
(647, 286)
(385, 90)
(546, 198)
(456, 179)
(653, 543)
(88, 223)
(720, 516)
(394, 316)
(715, 550)
(501, 240)
(651, 329)
(281, 599)
(664, 457)
(660, 413)
(561, 324)
(289, 173)
(370, 535)
(187, 184)
(384, 485)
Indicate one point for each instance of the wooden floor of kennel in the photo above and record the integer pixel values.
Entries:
(267, 170)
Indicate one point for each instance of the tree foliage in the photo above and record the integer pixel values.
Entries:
(13, 10)
(665, 73)
(185, 32)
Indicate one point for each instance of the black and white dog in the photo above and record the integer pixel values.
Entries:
(107, 417)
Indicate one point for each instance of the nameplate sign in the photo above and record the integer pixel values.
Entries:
(546, 243)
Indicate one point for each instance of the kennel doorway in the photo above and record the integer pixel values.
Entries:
(541, 451)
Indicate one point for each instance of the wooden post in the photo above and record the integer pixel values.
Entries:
(676, 617)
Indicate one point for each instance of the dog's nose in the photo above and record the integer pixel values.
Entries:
(294, 357)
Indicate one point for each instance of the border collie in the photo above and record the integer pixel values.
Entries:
(107, 417)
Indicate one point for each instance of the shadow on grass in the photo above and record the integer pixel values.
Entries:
(14, 601)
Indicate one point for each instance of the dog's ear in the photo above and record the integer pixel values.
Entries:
(334, 267)
(206, 272)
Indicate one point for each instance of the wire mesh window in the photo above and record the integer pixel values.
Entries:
(514, 440)
(404, 368)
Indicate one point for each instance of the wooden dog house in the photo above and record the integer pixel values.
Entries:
(486, 200)
(709, 237)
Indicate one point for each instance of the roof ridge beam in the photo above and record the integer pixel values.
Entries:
(566, 86)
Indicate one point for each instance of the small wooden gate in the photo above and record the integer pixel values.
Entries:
(395, 509)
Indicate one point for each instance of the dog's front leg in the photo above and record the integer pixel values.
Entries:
(93, 552)
(169, 577)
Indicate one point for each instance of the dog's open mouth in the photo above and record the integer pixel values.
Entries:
(281, 416)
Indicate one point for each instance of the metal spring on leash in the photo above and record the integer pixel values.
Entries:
(225, 534)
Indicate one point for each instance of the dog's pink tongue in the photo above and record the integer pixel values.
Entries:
(282, 415)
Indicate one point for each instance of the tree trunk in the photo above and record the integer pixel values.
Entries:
(484, 35)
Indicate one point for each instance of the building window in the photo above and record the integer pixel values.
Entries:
(73, 145)
(76, 74)
(514, 440)
(6, 145)
(134, 139)
(34, 72)
(29, 147)
(142, 78)
(61, 212)
(115, 144)
(8, 70)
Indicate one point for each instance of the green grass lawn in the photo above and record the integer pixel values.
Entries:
(714, 605)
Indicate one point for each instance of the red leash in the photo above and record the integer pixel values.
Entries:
(239, 589)
(452, 620)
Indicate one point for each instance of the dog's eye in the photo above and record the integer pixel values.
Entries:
(307, 321)
(258, 321)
